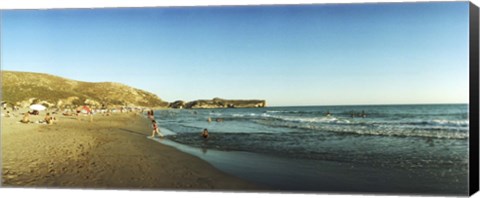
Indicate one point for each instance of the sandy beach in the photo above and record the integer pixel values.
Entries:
(111, 152)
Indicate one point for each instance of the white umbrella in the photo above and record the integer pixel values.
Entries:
(38, 107)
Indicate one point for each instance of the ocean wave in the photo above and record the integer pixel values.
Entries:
(354, 121)
(397, 132)
(323, 119)
(349, 120)
(414, 133)
(295, 112)
(244, 115)
(282, 111)
(358, 121)
(431, 123)
(370, 113)
(304, 119)
(450, 122)
(378, 130)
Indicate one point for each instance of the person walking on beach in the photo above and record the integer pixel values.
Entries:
(155, 129)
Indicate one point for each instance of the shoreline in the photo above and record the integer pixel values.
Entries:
(111, 152)
(283, 174)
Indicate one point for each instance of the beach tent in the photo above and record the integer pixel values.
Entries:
(38, 107)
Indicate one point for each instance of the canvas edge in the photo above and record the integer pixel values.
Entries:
(474, 100)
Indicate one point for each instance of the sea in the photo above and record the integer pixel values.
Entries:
(407, 149)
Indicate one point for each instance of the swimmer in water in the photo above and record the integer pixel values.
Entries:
(205, 133)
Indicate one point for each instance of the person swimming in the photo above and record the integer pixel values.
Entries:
(363, 114)
(205, 133)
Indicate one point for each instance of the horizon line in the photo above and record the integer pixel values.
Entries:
(384, 104)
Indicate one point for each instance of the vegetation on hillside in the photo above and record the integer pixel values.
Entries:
(24, 88)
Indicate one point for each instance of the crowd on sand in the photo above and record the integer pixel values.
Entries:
(31, 116)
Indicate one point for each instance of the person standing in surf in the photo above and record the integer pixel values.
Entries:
(155, 129)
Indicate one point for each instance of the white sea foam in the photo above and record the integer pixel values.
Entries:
(450, 122)
(166, 131)
(377, 130)
(323, 119)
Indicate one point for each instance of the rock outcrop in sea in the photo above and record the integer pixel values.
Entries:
(218, 103)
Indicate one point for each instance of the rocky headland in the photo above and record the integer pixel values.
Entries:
(217, 103)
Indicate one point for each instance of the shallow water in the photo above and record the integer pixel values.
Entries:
(411, 143)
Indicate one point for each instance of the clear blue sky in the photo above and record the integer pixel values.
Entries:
(397, 53)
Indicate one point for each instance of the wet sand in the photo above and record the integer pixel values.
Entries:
(111, 152)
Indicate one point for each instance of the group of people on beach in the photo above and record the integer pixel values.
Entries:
(9, 113)
(50, 116)
(48, 119)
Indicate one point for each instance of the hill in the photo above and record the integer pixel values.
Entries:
(24, 88)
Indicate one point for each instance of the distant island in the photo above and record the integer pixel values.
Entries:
(25, 88)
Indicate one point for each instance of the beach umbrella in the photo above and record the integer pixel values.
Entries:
(84, 109)
(38, 107)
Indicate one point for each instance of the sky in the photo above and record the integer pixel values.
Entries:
(327, 54)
